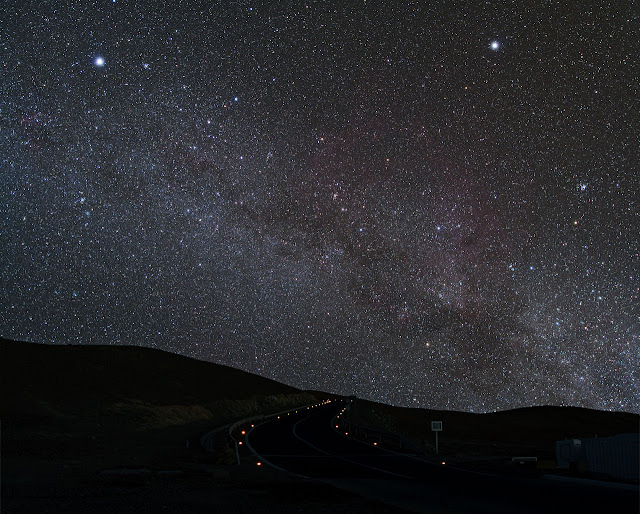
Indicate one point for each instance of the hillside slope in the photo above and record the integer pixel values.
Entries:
(56, 399)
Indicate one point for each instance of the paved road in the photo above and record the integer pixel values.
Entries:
(308, 444)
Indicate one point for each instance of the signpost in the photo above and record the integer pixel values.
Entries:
(436, 426)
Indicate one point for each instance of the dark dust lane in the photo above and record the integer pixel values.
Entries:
(308, 444)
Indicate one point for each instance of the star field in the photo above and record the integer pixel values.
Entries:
(433, 205)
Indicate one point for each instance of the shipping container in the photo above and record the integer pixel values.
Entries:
(617, 456)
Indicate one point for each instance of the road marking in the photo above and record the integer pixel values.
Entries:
(295, 433)
(261, 457)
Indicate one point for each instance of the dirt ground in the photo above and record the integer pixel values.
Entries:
(45, 486)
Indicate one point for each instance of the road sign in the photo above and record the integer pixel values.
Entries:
(436, 426)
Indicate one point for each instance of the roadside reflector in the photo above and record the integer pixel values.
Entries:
(258, 463)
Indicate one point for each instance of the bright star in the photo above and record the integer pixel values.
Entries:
(495, 45)
(99, 61)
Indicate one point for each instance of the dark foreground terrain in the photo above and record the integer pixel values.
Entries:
(117, 429)
(108, 429)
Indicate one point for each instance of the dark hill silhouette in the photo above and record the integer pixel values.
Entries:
(129, 386)
(113, 371)
(523, 431)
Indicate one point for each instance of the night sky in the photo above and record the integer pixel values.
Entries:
(425, 205)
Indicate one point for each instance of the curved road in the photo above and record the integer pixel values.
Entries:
(308, 444)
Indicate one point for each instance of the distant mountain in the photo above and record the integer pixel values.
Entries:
(80, 389)
(113, 371)
(528, 430)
